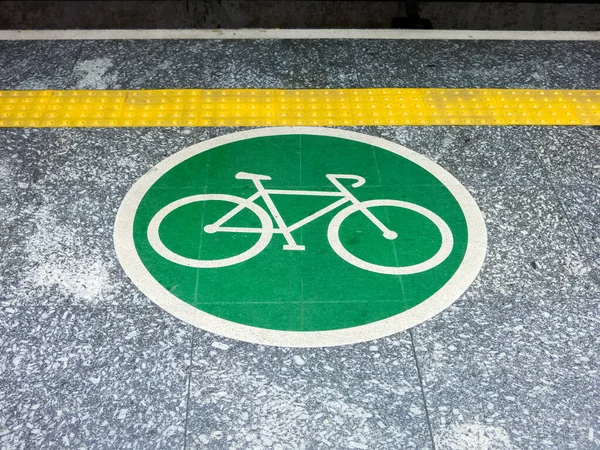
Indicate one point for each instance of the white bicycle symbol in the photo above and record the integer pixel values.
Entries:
(267, 230)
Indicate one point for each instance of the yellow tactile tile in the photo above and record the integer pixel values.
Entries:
(273, 107)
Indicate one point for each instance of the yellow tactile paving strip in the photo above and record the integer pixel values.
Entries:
(272, 107)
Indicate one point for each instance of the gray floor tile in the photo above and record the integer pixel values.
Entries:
(476, 156)
(14, 181)
(478, 64)
(582, 204)
(532, 250)
(101, 159)
(61, 250)
(570, 154)
(362, 396)
(513, 376)
(37, 64)
(214, 64)
(92, 378)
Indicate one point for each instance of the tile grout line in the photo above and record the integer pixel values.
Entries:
(19, 208)
(468, 185)
(552, 185)
(189, 389)
(302, 302)
(399, 277)
(582, 248)
(421, 385)
(150, 305)
(355, 66)
(200, 245)
(191, 370)
(67, 82)
(72, 74)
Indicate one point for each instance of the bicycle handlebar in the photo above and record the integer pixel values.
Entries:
(334, 177)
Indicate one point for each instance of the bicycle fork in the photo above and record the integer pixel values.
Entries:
(387, 233)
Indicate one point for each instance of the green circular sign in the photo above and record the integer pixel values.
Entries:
(301, 237)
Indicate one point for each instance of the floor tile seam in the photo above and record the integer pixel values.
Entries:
(583, 249)
(189, 390)
(493, 303)
(19, 208)
(583, 184)
(200, 239)
(422, 387)
(302, 255)
(515, 296)
(121, 307)
(354, 45)
(355, 66)
(569, 221)
(555, 299)
(71, 78)
(151, 305)
(373, 186)
(294, 302)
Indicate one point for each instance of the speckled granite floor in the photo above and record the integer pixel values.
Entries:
(86, 361)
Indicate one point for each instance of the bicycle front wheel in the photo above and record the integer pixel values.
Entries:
(447, 241)
(265, 232)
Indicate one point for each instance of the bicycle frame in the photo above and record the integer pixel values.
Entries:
(284, 229)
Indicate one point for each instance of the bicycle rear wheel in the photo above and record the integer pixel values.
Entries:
(265, 232)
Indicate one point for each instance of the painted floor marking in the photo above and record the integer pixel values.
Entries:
(300, 236)
(314, 107)
(267, 230)
(17, 35)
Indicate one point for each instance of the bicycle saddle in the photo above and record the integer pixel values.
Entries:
(251, 176)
